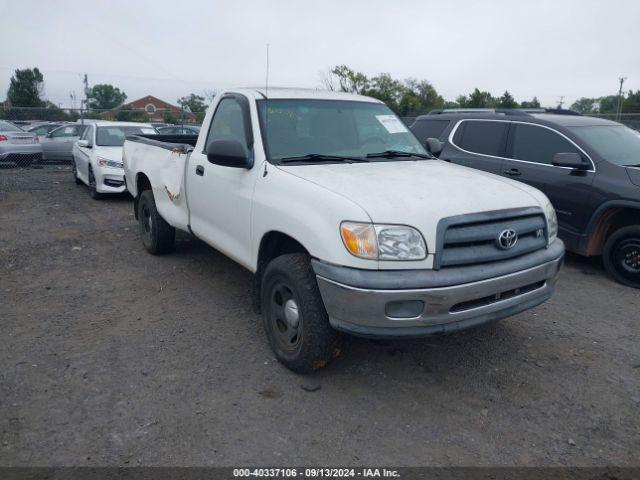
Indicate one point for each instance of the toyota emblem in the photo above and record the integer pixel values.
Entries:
(507, 239)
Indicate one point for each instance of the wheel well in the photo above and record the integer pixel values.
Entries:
(142, 184)
(610, 221)
(272, 245)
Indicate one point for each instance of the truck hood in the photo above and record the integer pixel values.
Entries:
(418, 193)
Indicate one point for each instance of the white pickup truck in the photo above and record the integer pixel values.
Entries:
(346, 221)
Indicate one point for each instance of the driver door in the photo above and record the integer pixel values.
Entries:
(82, 155)
(220, 197)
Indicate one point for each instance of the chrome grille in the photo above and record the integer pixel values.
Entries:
(473, 239)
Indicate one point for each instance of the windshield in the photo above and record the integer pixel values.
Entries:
(113, 136)
(615, 143)
(9, 127)
(297, 128)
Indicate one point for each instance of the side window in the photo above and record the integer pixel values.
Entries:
(65, 132)
(40, 130)
(538, 144)
(483, 137)
(88, 135)
(227, 122)
(424, 129)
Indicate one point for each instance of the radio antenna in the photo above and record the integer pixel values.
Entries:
(266, 112)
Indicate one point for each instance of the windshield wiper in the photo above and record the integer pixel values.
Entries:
(319, 157)
(632, 165)
(398, 153)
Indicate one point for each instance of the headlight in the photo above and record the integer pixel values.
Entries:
(383, 242)
(105, 162)
(552, 221)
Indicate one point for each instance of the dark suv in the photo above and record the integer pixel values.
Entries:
(588, 167)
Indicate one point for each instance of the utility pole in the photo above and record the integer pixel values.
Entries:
(619, 109)
(87, 91)
(561, 102)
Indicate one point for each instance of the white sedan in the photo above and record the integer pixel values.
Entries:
(97, 155)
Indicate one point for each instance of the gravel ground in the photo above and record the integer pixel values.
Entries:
(111, 356)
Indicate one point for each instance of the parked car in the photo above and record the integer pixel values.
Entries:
(57, 145)
(345, 220)
(97, 155)
(179, 130)
(42, 129)
(587, 166)
(18, 147)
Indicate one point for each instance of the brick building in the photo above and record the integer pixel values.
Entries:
(156, 110)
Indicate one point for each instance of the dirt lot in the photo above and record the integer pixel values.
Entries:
(110, 356)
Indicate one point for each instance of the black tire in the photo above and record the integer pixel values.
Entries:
(621, 256)
(74, 170)
(157, 235)
(92, 185)
(289, 283)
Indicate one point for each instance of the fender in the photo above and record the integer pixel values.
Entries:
(591, 232)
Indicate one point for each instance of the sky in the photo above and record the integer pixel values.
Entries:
(570, 48)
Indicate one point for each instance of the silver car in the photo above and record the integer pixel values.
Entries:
(18, 147)
(58, 144)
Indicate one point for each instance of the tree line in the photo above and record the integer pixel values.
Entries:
(26, 89)
(409, 97)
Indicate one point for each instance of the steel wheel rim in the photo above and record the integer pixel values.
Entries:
(627, 258)
(147, 221)
(285, 317)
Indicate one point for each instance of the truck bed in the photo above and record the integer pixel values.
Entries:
(169, 142)
(161, 160)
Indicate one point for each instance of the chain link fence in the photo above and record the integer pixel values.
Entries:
(57, 148)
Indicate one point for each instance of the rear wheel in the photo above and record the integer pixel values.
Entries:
(621, 256)
(294, 317)
(157, 235)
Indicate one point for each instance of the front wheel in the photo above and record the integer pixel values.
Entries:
(621, 256)
(294, 317)
(92, 185)
(157, 235)
(74, 170)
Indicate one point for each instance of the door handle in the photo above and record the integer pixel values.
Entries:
(200, 170)
(513, 172)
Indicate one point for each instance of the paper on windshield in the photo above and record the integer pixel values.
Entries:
(392, 123)
(148, 131)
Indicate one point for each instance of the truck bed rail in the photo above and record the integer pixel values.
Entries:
(182, 143)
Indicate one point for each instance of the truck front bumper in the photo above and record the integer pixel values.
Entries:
(415, 303)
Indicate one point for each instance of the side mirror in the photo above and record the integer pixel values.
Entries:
(84, 143)
(570, 160)
(229, 153)
(48, 135)
(434, 146)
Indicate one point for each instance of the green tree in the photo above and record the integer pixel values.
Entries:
(533, 103)
(25, 88)
(105, 97)
(344, 79)
(584, 105)
(419, 97)
(507, 101)
(631, 104)
(196, 103)
(387, 89)
(169, 117)
(608, 104)
(477, 99)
